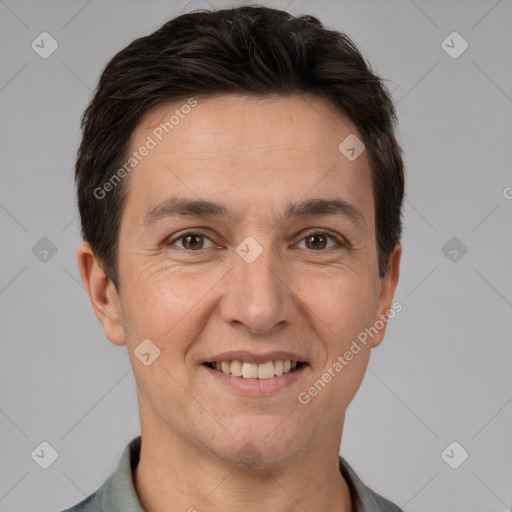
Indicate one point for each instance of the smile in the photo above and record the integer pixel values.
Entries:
(249, 370)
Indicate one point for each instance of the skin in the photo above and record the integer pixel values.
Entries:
(255, 155)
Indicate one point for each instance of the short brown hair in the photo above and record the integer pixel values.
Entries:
(248, 50)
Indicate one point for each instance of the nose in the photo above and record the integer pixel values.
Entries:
(258, 298)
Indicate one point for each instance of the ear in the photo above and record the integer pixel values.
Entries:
(387, 288)
(102, 294)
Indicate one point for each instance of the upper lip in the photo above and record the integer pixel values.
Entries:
(253, 357)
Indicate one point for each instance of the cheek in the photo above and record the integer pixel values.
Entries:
(343, 304)
(341, 312)
(164, 303)
(163, 307)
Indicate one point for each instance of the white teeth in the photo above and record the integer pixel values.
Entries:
(266, 370)
(248, 370)
(236, 368)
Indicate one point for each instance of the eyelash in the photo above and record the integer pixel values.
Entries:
(340, 243)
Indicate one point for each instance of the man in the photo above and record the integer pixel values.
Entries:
(240, 191)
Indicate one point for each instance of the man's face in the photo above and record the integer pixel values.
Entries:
(250, 284)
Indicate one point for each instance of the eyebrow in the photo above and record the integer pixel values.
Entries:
(180, 207)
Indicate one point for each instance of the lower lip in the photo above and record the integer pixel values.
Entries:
(257, 387)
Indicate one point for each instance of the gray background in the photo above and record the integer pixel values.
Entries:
(442, 374)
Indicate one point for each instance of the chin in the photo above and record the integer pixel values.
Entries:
(260, 445)
(251, 455)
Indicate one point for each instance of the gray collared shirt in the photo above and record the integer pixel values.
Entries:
(118, 494)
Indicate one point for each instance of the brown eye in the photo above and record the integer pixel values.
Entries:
(191, 241)
(318, 241)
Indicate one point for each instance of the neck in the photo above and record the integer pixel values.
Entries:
(173, 475)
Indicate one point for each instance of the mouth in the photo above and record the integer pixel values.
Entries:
(252, 370)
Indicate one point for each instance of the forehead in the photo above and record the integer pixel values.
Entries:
(266, 122)
(245, 151)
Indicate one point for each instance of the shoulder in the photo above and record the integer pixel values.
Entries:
(117, 494)
(89, 504)
(364, 499)
(383, 504)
